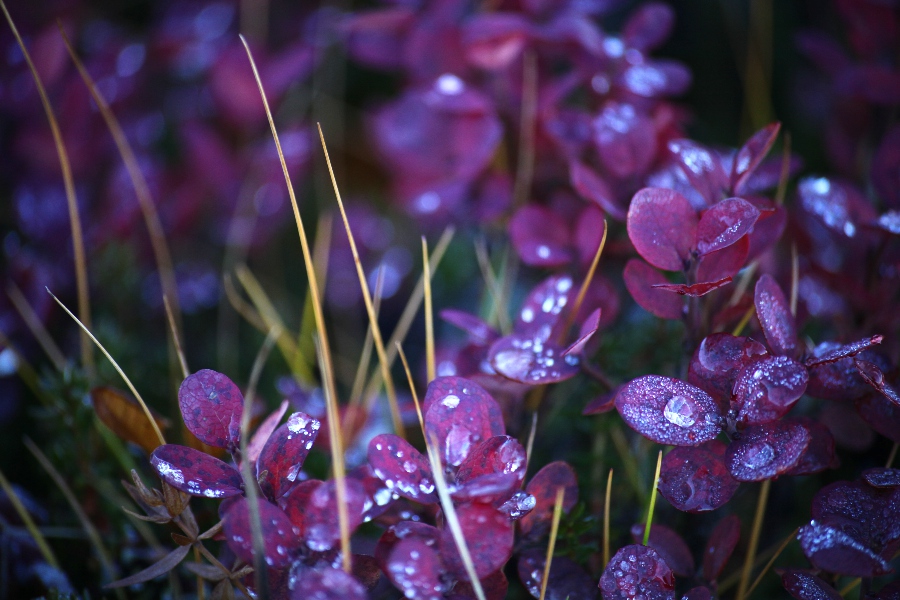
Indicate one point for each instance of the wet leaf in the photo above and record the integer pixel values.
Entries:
(494, 586)
(489, 537)
(875, 378)
(648, 26)
(196, 473)
(324, 583)
(819, 455)
(295, 502)
(718, 360)
(211, 405)
(543, 487)
(321, 530)
(721, 544)
(461, 418)
(767, 389)
(591, 186)
(264, 432)
(530, 360)
(698, 593)
(725, 262)
(839, 380)
(870, 515)
(567, 579)
(479, 332)
(637, 571)
(751, 154)
(767, 451)
(669, 545)
(625, 139)
(835, 354)
(543, 307)
(669, 411)
(499, 454)
(641, 280)
(881, 414)
(832, 550)
(401, 531)
(775, 316)
(695, 290)
(662, 225)
(278, 535)
(402, 468)
(283, 455)
(724, 224)
(491, 488)
(702, 167)
(696, 479)
(161, 567)
(415, 568)
(882, 477)
(541, 238)
(804, 586)
(587, 330)
(125, 417)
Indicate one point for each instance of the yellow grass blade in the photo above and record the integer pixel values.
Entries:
(653, 493)
(173, 331)
(606, 507)
(747, 569)
(582, 292)
(81, 278)
(34, 324)
(30, 525)
(554, 531)
(429, 314)
(386, 377)
(412, 389)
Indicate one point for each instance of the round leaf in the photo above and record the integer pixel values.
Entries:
(283, 455)
(415, 568)
(637, 571)
(640, 279)
(695, 479)
(767, 389)
(775, 316)
(543, 487)
(278, 535)
(767, 451)
(662, 225)
(489, 537)
(458, 422)
(724, 224)
(402, 468)
(499, 454)
(196, 473)
(211, 405)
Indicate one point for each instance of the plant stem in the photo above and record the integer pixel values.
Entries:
(747, 570)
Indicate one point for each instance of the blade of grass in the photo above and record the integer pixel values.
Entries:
(365, 357)
(81, 277)
(747, 569)
(629, 463)
(525, 164)
(112, 573)
(795, 279)
(451, 517)
(242, 307)
(412, 388)
(29, 523)
(493, 286)
(551, 546)
(744, 320)
(772, 560)
(429, 314)
(322, 335)
(137, 395)
(33, 322)
(320, 257)
(582, 292)
(892, 455)
(406, 318)
(743, 283)
(261, 578)
(337, 465)
(529, 445)
(173, 331)
(386, 377)
(158, 242)
(606, 507)
(653, 493)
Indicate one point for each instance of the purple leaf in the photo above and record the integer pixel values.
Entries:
(518, 505)
(494, 586)
(669, 411)
(767, 451)
(602, 403)
(541, 238)
(324, 583)
(402, 468)
(161, 567)
(695, 479)
(588, 328)
(567, 578)
(526, 359)
(457, 422)
(641, 279)
(479, 332)
(489, 537)
(655, 78)
(751, 154)
(775, 316)
(882, 477)
(870, 515)
(767, 389)
(211, 405)
(589, 233)
(494, 40)
(819, 455)
(840, 379)
(768, 229)
(696, 290)
(375, 37)
(491, 488)
(722, 542)
(725, 262)
(499, 454)
(283, 455)
(804, 586)
(718, 360)
(196, 473)
(845, 351)
(404, 530)
(320, 514)
(264, 432)
(702, 167)
(832, 550)
(637, 571)
(451, 389)
(295, 502)
(648, 26)
(625, 139)
(591, 186)
(881, 414)
(277, 532)
(698, 593)
(415, 568)
(724, 224)
(543, 487)
(662, 225)
(669, 545)
(875, 378)
(543, 307)
(836, 205)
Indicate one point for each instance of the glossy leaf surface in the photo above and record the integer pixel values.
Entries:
(767, 451)
(767, 389)
(196, 473)
(724, 224)
(804, 586)
(662, 225)
(719, 359)
(278, 535)
(543, 487)
(640, 280)
(402, 468)
(499, 454)
(637, 571)
(696, 290)
(320, 514)
(669, 545)
(833, 550)
(457, 422)
(775, 317)
(525, 359)
(283, 455)
(567, 578)
(751, 154)
(489, 537)
(696, 479)
(415, 568)
(669, 411)
(324, 583)
(211, 405)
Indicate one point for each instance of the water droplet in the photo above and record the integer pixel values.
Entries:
(680, 411)
(758, 455)
(451, 401)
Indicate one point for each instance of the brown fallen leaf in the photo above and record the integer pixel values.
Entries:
(125, 417)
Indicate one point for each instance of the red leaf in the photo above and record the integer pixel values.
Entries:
(669, 411)
(499, 454)
(775, 316)
(415, 568)
(567, 579)
(541, 238)
(625, 139)
(725, 262)
(722, 542)
(211, 405)
(325, 583)
(196, 473)
(264, 432)
(640, 279)
(844, 351)
(590, 186)
(702, 167)
(819, 455)
(283, 455)
(278, 535)
(751, 154)
(718, 360)
(543, 487)
(588, 328)
(321, 524)
(637, 571)
(662, 225)
(767, 451)
(402, 468)
(670, 546)
(648, 26)
(489, 537)
(461, 420)
(695, 479)
(724, 224)
(767, 389)
(493, 40)
(696, 290)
